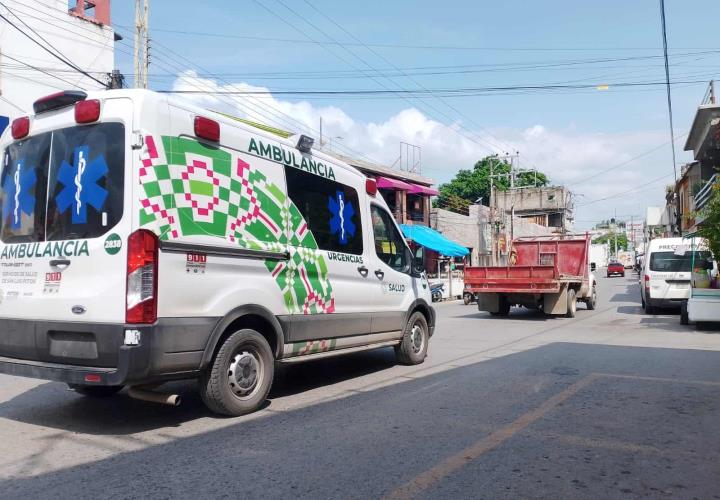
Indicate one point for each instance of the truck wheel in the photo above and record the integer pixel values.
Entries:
(239, 379)
(571, 304)
(413, 347)
(466, 298)
(592, 301)
(684, 318)
(96, 391)
(503, 306)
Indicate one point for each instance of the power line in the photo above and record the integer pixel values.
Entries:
(412, 46)
(298, 15)
(57, 55)
(447, 92)
(622, 164)
(645, 187)
(505, 145)
(35, 68)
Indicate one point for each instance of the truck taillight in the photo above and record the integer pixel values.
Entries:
(647, 278)
(142, 277)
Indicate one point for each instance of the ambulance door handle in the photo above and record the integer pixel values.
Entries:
(380, 275)
(363, 271)
(61, 264)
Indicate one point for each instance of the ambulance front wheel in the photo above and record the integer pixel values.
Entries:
(239, 379)
(413, 346)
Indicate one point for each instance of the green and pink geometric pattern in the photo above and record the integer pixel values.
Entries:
(189, 189)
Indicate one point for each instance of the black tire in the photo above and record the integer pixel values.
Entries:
(247, 354)
(96, 391)
(467, 299)
(503, 306)
(571, 304)
(413, 347)
(648, 308)
(642, 301)
(592, 301)
(684, 319)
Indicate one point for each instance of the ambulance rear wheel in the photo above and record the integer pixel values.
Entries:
(96, 391)
(239, 379)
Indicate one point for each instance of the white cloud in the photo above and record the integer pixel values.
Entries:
(568, 156)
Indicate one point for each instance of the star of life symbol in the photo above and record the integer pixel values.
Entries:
(341, 221)
(18, 188)
(81, 184)
(78, 181)
(19, 198)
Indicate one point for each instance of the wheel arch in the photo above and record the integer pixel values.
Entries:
(426, 309)
(251, 316)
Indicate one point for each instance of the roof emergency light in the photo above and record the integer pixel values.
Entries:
(371, 186)
(20, 127)
(305, 143)
(208, 129)
(87, 111)
(58, 100)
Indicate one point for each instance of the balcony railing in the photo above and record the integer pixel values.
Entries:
(703, 196)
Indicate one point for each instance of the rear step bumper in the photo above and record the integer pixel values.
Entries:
(133, 365)
(170, 349)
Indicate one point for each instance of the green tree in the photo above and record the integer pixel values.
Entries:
(622, 240)
(471, 184)
(709, 228)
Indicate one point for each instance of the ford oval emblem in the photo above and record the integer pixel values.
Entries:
(78, 310)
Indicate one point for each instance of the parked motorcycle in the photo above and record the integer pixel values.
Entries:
(436, 292)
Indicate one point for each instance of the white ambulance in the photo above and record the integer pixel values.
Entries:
(144, 240)
(667, 271)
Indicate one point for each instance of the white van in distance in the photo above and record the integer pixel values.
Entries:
(666, 272)
(144, 240)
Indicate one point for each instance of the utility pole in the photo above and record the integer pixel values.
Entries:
(492, 218)
(141, 55)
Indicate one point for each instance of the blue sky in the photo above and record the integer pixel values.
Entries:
(571, 134)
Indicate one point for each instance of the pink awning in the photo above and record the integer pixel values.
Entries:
(418, 189)
(390, 183)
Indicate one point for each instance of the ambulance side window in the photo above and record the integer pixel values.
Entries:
(389, 243)
(330, 209)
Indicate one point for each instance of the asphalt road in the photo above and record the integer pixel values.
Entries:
(611, 404)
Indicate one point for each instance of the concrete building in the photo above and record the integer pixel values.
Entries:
(408, 194)
(474, 232)
(550, 207)
(694, 188)
(44, 32)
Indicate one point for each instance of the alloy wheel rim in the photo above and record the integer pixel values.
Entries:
(245, 373)
(417, 338)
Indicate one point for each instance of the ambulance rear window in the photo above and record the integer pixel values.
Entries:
(65, 184)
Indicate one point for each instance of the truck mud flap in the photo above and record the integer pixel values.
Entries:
(556, 303)
(489, 302)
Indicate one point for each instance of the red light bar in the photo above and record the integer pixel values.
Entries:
(205, 128)
(58, 100)
(87, 111)
(20, 127)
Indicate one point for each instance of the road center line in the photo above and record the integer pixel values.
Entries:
(431, 476)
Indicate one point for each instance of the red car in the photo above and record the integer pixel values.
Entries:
(615, 269)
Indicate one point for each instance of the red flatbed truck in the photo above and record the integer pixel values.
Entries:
(550, 273)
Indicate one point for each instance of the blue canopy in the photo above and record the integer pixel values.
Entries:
(429, 238)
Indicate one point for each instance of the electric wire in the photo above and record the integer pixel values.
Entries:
(57, 55)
